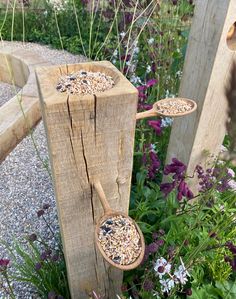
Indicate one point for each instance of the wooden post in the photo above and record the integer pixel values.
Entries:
(207, 66)
(89, 136)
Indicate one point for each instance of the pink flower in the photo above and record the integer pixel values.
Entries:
(142, 88)
(142, 96)
(156, 125)
(3, 264)
(151, 82)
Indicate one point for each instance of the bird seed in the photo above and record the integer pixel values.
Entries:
(120, 240)
(174, 106)
(84, 82)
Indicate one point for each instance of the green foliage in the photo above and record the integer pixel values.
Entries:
(38, 262)
(51, 275)
(153, 47)
(226, 290)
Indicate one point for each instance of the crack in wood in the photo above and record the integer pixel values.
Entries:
(84, 156)
(87, 174)
(69, 113)
(92, 206)
(95, 116)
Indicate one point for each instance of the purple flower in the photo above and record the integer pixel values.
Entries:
(3, 264)
(176, 167)
(151, 82)
(46, 206)
(48, 252)
(85, 2)
(184, 191)
(55, 257)
(146, 106)
(126, 57)
(155, 236)
(178, 170)
(142, 87)
(232, 262)
(127, 3)
(128, 18)
(160, 242)
(156, 125)
(154, 165)
(108, 14)
(32, 237)
(166, 188)
(153, 247)
(38, 266)
(231, 247)
(161, 232)
(43, 256)
(40, 213)
(153, 67)
(217, 177)
(148, 285)
(142, 96)
(52, 295)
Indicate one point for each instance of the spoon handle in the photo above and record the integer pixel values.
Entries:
(98, 187)
(146, 114)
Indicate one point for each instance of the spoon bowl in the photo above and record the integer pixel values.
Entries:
(173, 104)
(127, 267)
(109, 213)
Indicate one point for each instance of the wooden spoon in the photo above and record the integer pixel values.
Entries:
(108, 213)
(155, 111)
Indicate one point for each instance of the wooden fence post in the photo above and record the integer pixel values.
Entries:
(206, 69)
(88, 136)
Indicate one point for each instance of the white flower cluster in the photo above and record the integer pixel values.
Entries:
(232, 183)
(151, 41)
(166, 122)
(168, 280)
(58, 5)
(135, 80)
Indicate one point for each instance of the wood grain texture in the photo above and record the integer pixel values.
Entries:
(206, 70)
(16, 120)
(90, 136)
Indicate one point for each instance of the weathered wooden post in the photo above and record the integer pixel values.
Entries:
(208, 61)
(88, 136)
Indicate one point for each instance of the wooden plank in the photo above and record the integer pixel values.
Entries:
(90, 136)
(206, 69)
(18, 67)
(13, 125)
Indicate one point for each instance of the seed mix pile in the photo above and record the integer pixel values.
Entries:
(84, 82)
(174, 106)
(120, 240)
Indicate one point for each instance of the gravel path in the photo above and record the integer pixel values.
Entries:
(24, 184)
(7, 91)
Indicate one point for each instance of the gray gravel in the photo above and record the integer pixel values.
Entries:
(7, 91)
(24, 183)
